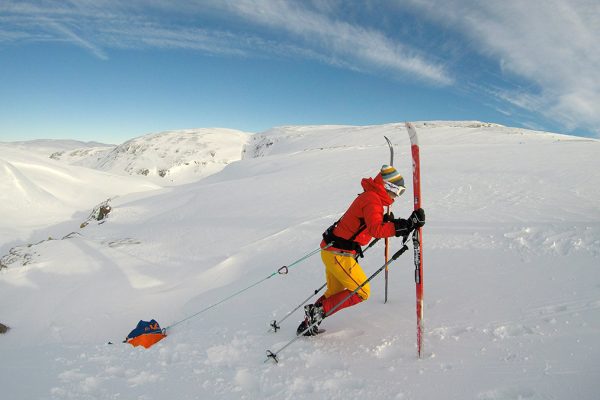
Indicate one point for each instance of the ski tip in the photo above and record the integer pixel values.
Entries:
(412, 133)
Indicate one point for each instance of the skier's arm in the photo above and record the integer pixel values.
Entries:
(376, 226)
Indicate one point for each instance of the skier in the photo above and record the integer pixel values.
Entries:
(363, 221)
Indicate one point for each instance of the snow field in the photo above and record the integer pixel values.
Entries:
(512, 287)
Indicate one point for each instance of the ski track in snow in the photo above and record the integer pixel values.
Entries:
(512, 286)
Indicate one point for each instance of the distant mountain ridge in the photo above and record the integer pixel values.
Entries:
(167, 158)
(182, 156)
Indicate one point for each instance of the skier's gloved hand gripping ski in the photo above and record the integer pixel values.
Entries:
(405, 226)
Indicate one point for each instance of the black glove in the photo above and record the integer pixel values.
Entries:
(402, 227)
(417, 218)
(405, 226)
(389, 217)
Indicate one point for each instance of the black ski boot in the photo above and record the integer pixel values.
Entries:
(314, 315)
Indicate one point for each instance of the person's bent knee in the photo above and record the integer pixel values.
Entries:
(364, 292)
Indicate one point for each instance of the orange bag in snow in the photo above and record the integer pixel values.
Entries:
(146, 334)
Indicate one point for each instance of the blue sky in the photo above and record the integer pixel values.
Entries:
(108, 70)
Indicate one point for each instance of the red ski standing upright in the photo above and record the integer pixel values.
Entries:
(387, 211)
(418, 234)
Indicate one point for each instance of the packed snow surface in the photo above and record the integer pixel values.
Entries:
(511, 267)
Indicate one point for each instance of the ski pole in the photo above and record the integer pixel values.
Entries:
(273, 355)
(373, 242)
(275, 324)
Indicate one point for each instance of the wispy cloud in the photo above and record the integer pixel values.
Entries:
(551, 44)
(101, 26)
(349, 43)
(294, 29)
(72, 37)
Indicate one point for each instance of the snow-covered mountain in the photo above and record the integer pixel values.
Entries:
(511, 251)
(40, 187)
(166, 158)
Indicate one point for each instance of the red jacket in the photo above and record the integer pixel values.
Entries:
(368, 207)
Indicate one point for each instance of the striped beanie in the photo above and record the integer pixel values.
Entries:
(389, 174)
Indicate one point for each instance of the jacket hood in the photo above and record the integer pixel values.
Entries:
(376, 185)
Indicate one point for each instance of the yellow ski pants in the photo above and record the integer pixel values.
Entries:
(343, 272)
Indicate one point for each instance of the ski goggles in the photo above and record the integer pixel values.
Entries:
(395, 189)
